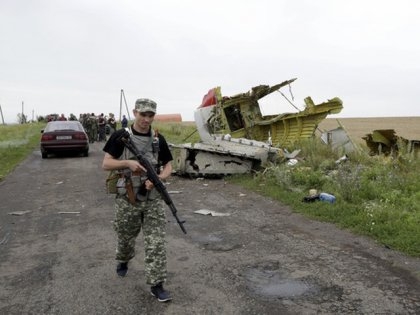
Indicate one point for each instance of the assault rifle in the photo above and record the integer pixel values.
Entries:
(152, 176)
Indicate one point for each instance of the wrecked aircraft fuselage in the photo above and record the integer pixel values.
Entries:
(241, 117)
(237, 138)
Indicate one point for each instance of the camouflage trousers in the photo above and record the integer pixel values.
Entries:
(129, 220)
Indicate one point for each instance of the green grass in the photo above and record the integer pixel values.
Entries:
(16, 142)
(376, 196)
(178, 133)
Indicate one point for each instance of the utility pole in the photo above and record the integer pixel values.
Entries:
(22, 120)
(2, 118)
(126, 107)
(121, 94)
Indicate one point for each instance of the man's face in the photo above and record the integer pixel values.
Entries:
(144, 119)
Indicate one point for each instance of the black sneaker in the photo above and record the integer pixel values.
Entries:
(160, 293)
(122, 269)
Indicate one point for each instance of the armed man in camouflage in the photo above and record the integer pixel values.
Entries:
(146, 210)
(92, 127)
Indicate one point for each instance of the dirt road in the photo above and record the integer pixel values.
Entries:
(57, 252)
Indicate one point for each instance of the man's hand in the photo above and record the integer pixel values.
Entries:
(135, 166)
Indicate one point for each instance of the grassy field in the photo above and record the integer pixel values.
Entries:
(406, 127)
(16, 142)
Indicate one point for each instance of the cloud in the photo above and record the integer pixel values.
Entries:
(76, 56)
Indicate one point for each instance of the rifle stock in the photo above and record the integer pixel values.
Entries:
(154, 178)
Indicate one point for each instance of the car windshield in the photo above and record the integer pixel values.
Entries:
(63, 125)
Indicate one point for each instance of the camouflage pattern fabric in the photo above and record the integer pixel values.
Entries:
(129, 220)
(89, 130)
(92, 128)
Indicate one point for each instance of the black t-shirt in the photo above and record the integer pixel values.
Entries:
(115, 147)
(112, 122)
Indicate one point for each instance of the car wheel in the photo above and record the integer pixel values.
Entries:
(86, 153)
(44, 155)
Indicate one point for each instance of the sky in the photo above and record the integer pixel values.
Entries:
(60, 56)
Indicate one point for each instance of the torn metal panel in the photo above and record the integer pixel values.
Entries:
(414, 146)
(223, 155)
(338, 139)
(386, 141)
(200, 162)
(381, 142)
(212, 213)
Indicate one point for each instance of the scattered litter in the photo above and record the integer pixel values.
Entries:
(313, 192)
(242, 195)
(69, 212)
(292, 162)
(5, 239)
(292, 155)
(212, 213)
(174, 192)
(310, 198)
(327, 197)
(342, 159)
(314, 196)
(19, 212)
(59, 183)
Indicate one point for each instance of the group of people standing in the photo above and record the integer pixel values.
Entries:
(62, 117)
(96, 126)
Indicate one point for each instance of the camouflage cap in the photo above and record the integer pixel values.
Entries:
(145, 105)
